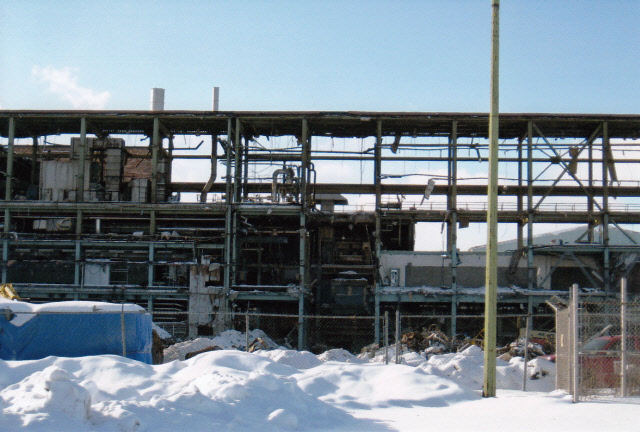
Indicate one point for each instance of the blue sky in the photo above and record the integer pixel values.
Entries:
(433, 56)
(556, 56)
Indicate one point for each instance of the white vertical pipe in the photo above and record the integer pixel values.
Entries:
(216, 98)
(157, 99)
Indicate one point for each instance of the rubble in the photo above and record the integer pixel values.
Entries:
(516, 349)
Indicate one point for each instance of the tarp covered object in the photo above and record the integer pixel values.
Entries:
(73, 329)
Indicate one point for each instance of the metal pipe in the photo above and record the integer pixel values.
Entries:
(287, 173)
(214, 169)
(157, 99)
(491, 276)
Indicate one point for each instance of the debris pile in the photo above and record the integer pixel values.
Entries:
(517, 348)
(229, 339)
(433, 341)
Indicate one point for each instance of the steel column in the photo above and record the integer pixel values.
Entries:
(155, 144)
(304, 194)
(377, 178)
(150, 275)
(34, 161)
(531, 276)
(8, 192)
(83, 158)
(228, 210)
(520, 197)
(453, 224)
(237, 199)
(77, 267)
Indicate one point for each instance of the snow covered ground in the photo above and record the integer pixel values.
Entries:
(283, 390)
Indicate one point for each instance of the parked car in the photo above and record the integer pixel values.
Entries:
(600, 360)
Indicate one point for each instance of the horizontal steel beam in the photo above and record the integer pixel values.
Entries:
(418, 189)
(31, 123)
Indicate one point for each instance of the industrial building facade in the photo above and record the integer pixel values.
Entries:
(308, 212)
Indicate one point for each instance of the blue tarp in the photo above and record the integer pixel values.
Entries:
(74, 335)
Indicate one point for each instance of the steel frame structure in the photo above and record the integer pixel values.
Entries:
(569, 158)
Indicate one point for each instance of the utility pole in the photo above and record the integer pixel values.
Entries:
(491, 275)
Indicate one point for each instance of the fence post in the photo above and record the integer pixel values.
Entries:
(122, 328)
(301, 329)
(397, 336)
(623, 334)
(575, 375)
(246, 329)
(386, 337)
(527, 335)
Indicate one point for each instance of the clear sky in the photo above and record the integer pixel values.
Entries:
(433, 56)
(556, 55)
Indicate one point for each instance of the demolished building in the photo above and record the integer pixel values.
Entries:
(99, 205)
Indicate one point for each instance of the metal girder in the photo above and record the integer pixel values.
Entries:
(566, 168)
(337, 124)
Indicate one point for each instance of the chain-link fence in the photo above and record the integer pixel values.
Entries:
(598, 346)
(609, 352)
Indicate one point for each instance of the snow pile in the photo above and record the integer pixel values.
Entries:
(372, 386)
(52, 393)
(466, 368)
(162, 333)
(230, 390)
(221, 390)
(229, 339)
(297, 359)
(339, 355)
(406, 356)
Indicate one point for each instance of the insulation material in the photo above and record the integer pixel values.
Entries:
(58, 180)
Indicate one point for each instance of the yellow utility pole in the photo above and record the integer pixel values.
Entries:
(491, 275)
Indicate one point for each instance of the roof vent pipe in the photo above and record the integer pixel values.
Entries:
(157, 99)
(216, 98)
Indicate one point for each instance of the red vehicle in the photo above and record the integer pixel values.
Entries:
(600, 360)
